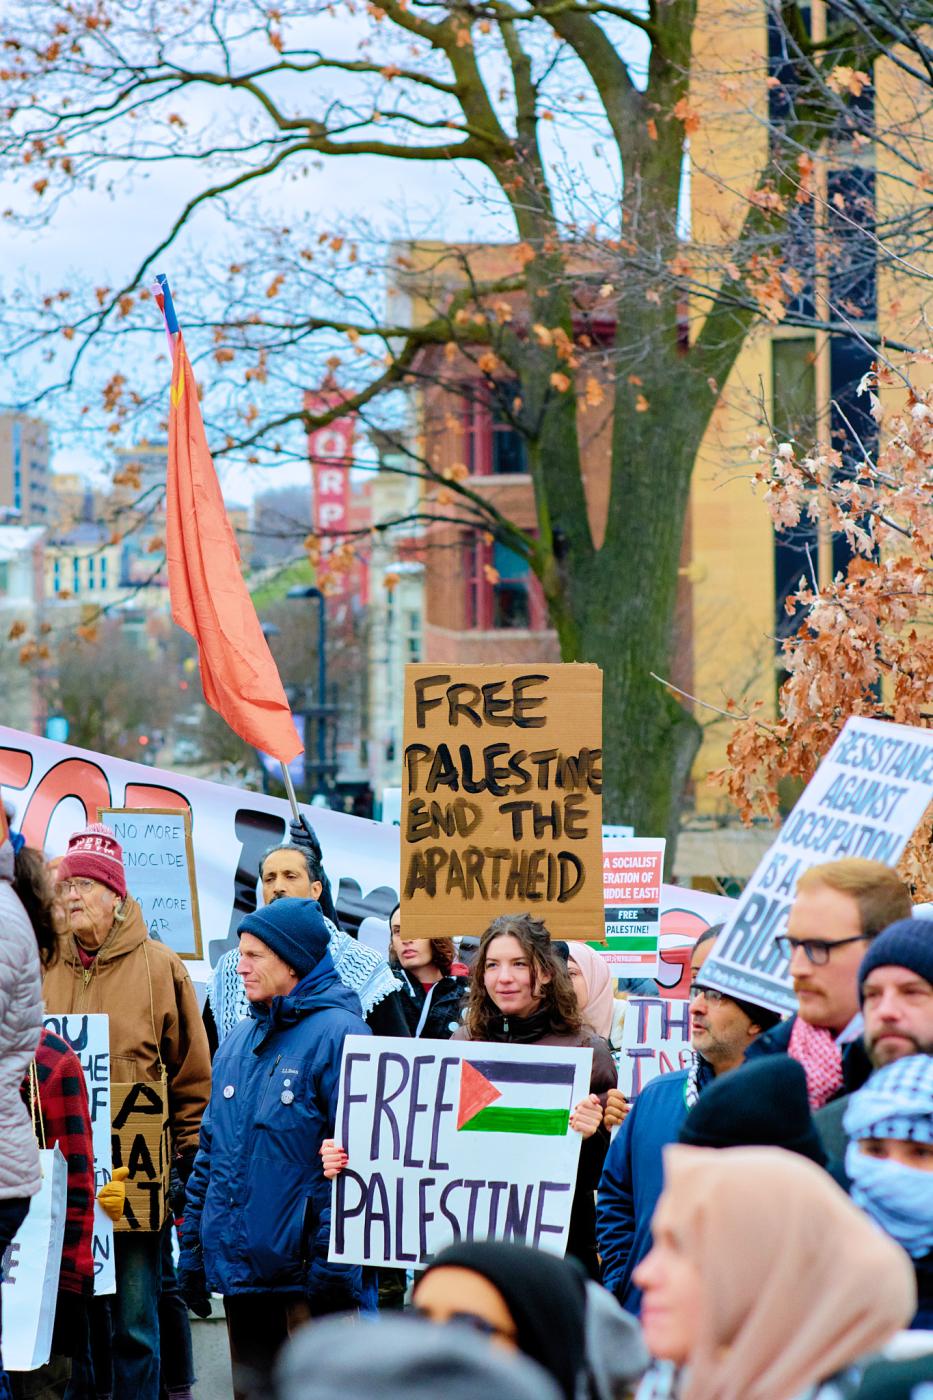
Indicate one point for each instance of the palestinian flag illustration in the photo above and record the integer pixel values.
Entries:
(495, 1097)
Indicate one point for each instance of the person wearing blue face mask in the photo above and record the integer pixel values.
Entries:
(889, 1161)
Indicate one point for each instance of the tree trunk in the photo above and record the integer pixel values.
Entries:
(618, 608)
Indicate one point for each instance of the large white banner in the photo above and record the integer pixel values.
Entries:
(865, 799)
(55, 789)
(89, 1038)
(451, 1140)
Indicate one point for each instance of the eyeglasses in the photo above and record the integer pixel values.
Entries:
(712, 994)
(77, 886)
(817, 950)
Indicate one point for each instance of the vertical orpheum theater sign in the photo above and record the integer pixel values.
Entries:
(330, 451)
(502, 798)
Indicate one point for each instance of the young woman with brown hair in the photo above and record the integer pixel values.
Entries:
(521, 993)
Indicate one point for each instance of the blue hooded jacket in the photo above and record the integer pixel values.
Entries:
(633, 1178)
(257, 1204)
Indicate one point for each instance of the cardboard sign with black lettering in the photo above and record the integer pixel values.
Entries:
(159, 860)
(89, 1038)
(454, 1140)
(140, 1141)
(502, 798)
(865, 799)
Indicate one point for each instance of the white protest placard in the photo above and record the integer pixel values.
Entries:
(655, 1041)
(454, 1140)
(89, 1038)
(865, 799)
(159, 861)
(632, 872)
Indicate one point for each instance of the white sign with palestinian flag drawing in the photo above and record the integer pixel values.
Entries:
(454, 1140)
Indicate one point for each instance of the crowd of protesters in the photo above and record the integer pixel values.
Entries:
(759, 1227)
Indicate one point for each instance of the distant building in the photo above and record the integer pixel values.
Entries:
(21, 565)
(396, 610)
(24, 469)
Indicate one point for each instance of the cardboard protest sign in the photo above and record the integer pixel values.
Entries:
(56, 789)
(159, 861)
(632, 871)
(452, 1140)
(89, 1038)
(865, 799)
(655, 1040)
(140, 1141)
(502, 798)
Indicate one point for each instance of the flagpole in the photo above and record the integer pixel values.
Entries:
(163, 296)
(290, 789)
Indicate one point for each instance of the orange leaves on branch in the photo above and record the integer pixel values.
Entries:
(491, 575)
(488, 362)
(862, 643)
(18, 629)
(851, 81)
(275, 286)
(651, 127)
(459, 471)
(560, 382)
(390, 582)
(594, 394)
(525, 254)
(684, 113)
(641, 404)
(767, 199)
(542, 335)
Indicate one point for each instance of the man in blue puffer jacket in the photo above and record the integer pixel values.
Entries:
(257, 1215)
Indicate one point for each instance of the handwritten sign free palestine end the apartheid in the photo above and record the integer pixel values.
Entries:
(865, 799)
(502, 798)
(453, 1140)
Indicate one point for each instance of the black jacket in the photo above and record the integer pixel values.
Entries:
(447, 998)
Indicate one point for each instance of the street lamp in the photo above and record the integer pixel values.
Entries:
(301, 591)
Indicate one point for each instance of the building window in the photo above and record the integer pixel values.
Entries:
(4, 577)
(76, 575)
(793, 390)
(103, 571)
(492, 445)
(502, 593)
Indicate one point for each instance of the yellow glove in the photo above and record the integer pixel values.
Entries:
(112, 1195)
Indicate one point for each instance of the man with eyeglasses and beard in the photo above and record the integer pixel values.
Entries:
(839, 908)
(721, 1030)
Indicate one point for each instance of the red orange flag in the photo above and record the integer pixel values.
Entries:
(208, 595)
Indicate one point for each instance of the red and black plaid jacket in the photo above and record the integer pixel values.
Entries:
(67, 1121)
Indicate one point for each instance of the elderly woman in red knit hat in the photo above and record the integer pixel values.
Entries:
(108, 963)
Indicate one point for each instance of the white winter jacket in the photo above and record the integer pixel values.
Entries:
(20, 1026)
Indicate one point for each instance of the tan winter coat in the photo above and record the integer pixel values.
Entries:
(143, 1027)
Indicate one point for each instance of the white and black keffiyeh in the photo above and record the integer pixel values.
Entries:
(359, 968)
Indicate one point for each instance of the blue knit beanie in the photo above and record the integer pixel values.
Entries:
(293, 928)
(908, 943)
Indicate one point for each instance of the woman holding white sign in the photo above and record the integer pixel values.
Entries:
(521, 993)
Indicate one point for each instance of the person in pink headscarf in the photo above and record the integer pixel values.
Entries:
(593, 986)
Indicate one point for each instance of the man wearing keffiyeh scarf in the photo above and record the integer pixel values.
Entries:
(296, 871)
(890, 1162)
(839, 908)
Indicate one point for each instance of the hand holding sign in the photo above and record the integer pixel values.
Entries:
(334, 1158)
(587, 1116)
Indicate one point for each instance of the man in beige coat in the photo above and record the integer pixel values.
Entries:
(108, 963)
